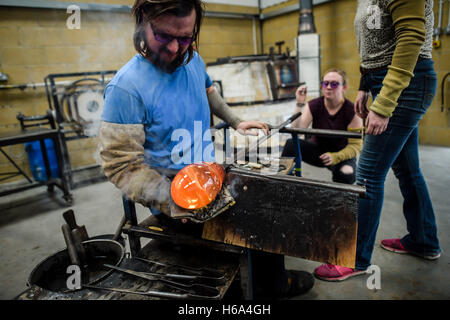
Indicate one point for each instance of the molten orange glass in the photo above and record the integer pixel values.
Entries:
(197, 185)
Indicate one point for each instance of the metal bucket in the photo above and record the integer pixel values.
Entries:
(51, 274)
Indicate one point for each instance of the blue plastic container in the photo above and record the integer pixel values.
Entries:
(36, 159)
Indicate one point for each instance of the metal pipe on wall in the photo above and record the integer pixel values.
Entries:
(447, 28)
(306, 18)
(61, 5)
(260, 21)
(308, 49)
(288, 9)
(438, 30)
(32, 85)
(255, 45)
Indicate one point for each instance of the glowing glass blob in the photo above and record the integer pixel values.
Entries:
(197, 185)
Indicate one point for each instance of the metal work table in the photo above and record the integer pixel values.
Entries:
(30, 135)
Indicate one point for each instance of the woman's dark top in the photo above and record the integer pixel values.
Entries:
(323, 120)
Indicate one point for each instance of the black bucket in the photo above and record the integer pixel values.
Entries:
(51, 274)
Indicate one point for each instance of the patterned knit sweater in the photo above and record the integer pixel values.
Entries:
(393, 33)
(375, 32)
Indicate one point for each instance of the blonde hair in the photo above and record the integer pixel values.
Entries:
(338, 71)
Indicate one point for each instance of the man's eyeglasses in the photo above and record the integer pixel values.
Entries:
(165, 38)
(333, 84)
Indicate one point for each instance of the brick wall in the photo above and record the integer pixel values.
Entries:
(36, 42)
(334, 23)
(221, 37)
(434, 128)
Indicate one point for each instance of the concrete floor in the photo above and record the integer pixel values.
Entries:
(30, 230)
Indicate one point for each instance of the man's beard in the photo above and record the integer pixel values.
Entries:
(166, 66)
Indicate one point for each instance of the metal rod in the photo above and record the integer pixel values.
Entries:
(32, 85)
(203, 272)
(323, 132)
(61, 5)
(241, 155)
(15, 165)
(443, 91)
(288, 9)
(230, 15)
(298, 158)
(186, 287)
(306, 23)
(22, 86)
(438, 30)
(48, 172)
(160, 294)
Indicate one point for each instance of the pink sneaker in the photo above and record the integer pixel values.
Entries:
(394, 245)
(330, 272)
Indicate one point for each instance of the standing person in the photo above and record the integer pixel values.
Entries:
(395, 43)
(334, 112)
(161, 96)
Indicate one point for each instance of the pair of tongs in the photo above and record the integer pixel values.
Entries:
(154, 293)
(196, 273)
(193, 289)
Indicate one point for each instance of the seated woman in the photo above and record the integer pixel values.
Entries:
(334, 112)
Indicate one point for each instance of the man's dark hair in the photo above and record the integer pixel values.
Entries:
(147, 10)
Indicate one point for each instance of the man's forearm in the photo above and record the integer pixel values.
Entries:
(122, 155)
(220, 108)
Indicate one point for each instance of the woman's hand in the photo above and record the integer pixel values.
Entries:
(300, 94)
(245, 126)
(326, 159)
(361, 104)
(376, 124)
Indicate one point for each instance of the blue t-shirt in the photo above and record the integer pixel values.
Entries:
(173, 108)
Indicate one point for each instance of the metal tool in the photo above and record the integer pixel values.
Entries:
(241, 155)
(191, 288)
(199, 274)
(118, 232)
(77, 238)
(198, 271)
(74, 259)
(323, 132)
(160, 294)
(69, 216)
